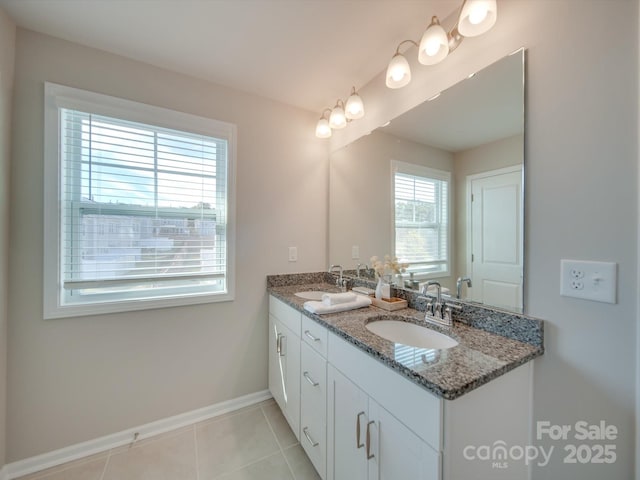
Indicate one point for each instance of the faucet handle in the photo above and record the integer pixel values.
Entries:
(448, 309)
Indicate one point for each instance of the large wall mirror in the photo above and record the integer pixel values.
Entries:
(441, 187)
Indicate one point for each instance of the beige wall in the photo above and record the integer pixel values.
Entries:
(76, 379)
(68, 378)
(7, 47)
(360, 194)
(581, 188)
(484, 158)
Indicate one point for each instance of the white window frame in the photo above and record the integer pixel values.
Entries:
(59, 96)
(426, 172)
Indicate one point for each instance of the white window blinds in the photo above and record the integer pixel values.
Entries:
(421, 218)
(144, 211)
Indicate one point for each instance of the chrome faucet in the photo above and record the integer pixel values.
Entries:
(438, 313)
(340, 282)
(425, 289)
(459, 283)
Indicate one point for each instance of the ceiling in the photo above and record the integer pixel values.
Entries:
(305, 53)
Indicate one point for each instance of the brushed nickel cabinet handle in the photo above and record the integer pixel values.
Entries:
(278, 343)
(358, 444)
(310, 380)
(306, 434)
(311, 337)
(369, 454)
(280, 351)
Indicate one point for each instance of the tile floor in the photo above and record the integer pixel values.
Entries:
(254, 443)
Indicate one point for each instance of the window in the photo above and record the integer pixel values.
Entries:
(421, 219)
(138, 206)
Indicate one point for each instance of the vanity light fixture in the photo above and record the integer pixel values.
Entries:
(338, 119)
(323, 130)
(434, 46)
(340, 114)
(354, 108)
(398, 71)
(476, 17)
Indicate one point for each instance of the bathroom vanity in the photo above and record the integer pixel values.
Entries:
(363, 407)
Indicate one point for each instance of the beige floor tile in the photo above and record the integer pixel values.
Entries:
(271, 468)
(284, 434)
(88, 468)
(170, 458)
(233, 442)
(300, 464)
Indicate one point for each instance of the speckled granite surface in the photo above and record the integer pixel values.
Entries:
(481, 355)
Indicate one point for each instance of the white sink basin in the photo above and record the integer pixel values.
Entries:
(310, 295)
(411, 334)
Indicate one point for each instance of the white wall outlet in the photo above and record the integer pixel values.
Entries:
(355, 252)
(293, 254)
(595, 281)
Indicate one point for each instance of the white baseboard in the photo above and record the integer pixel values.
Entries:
(91, 447)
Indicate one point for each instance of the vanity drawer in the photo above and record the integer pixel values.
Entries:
(313, 380)
(314, 335)
(313, 407)
(286, 314)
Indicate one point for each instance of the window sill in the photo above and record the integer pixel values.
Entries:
(68, 311)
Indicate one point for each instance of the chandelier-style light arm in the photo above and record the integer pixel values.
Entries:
(415, 44)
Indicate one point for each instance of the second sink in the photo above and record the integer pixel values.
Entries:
(408, 333)
(310, 295)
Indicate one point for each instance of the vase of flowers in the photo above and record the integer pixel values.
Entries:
(384, 270)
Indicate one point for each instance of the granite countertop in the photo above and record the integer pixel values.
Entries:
(479, 357)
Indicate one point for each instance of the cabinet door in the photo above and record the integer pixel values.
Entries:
(284, 371)
(346, 429)
(399, 453)
(276, 374)
(289, 359)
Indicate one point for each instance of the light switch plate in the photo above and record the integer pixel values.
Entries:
(293, 254)
(355, 252)
(589, 280)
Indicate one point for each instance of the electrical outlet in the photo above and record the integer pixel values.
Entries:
(293, 254)
(588, 280)
(355, 252)
(576, 273)
(576, 285)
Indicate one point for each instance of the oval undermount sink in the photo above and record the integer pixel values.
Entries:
(310, 295)
(411, 334)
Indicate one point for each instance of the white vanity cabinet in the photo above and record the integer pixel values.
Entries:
(365, 440)
(368, 443)
(284, 360)
(358, 419)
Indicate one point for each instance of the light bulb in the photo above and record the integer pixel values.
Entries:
(477, 17)
(323, 130)
(354, 107)
(398, 72)
(337, 119)
(434, 46)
